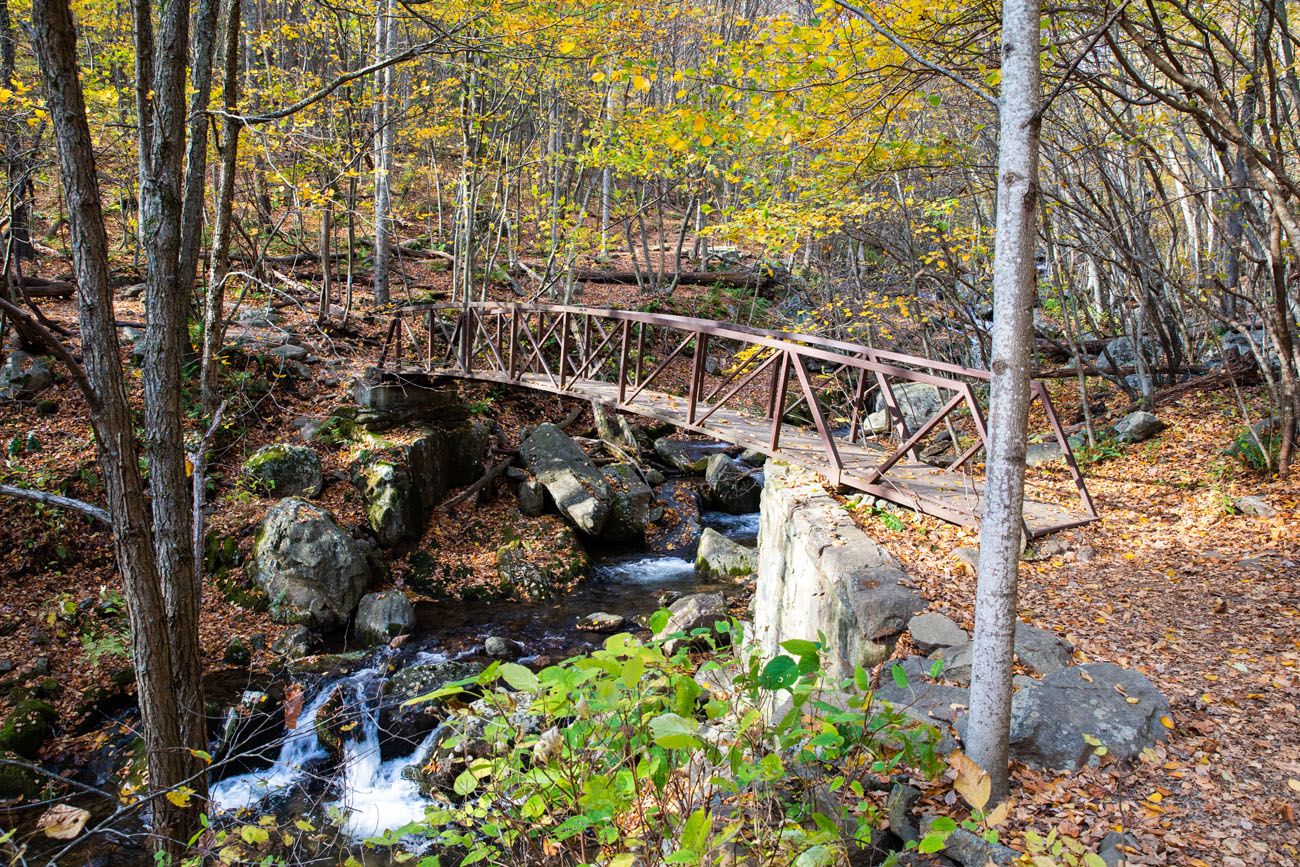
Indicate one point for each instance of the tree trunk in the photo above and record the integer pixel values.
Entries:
(164, 717)
(166, 344)
(215, 307)
(383, 151)
(1013, 294)
(17, 159)
(196, 158)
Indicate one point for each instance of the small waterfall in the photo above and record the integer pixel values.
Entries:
(299, 747)
(375, 798)
(739, 528)
(372, 793)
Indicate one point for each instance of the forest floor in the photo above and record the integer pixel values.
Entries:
(1205, 602)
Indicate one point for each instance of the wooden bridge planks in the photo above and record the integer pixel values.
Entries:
(954, 497)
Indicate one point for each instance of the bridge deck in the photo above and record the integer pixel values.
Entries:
(952, 496)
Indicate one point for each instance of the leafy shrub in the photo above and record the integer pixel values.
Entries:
(623, 757)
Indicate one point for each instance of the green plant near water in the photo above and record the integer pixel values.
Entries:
(636, 762)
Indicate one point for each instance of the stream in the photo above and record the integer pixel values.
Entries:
(365, 793)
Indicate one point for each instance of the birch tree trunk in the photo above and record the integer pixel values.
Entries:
(1013, 300)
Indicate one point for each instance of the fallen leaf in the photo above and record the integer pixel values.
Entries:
(972, 783)
(63, 821)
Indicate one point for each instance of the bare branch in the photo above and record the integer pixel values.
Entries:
(87, 509)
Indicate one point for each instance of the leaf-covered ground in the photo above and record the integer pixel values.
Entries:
(1206, 603)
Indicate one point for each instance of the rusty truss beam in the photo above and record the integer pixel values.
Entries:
(798, 397)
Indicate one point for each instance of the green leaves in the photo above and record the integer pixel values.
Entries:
(674, 732)
(781, 672)
(518, 677)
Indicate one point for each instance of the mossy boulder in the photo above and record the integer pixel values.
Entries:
(403, 726)
(529, 570)
(285, 470)
(384, 616)
(629, 504)
(27, 727)
(311, 569)
(17, 781)
(720, 556)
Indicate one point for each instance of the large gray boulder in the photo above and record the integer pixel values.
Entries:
(311, 569)
(1137, 426)
(720, 556)
(629, 504)
(919, 696)
(932, 631)
(732, 486)
(576, 486)
(1038, 650)
(24, 376)
(1050, 718)
(819, 573)
(1123, 350)
(285, 470)
(917, 402)
(680, 458)
(675, 529)
(382, 617)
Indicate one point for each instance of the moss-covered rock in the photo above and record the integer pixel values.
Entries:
(27, 727)
(404, 473)
(285, 470)
(529, 570)
(310, 568)
(17, 781)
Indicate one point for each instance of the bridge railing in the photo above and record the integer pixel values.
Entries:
(788, 381)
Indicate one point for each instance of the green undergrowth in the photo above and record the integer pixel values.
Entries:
(634, 755)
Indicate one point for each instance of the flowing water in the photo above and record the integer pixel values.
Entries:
(367, 792)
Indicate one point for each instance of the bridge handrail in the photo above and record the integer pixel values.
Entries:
(788, 340)
(471, 336)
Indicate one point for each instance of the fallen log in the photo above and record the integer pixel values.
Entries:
(40, 287)
(739, 279)
(483, 482)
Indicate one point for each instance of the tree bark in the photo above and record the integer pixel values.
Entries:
(166, 344)
(383, 151)
(196, 158)
(163, 717)
(1013, 301)
(215, 304)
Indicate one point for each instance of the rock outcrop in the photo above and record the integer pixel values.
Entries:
(405, 472)
(818, 572)
(311, 569)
